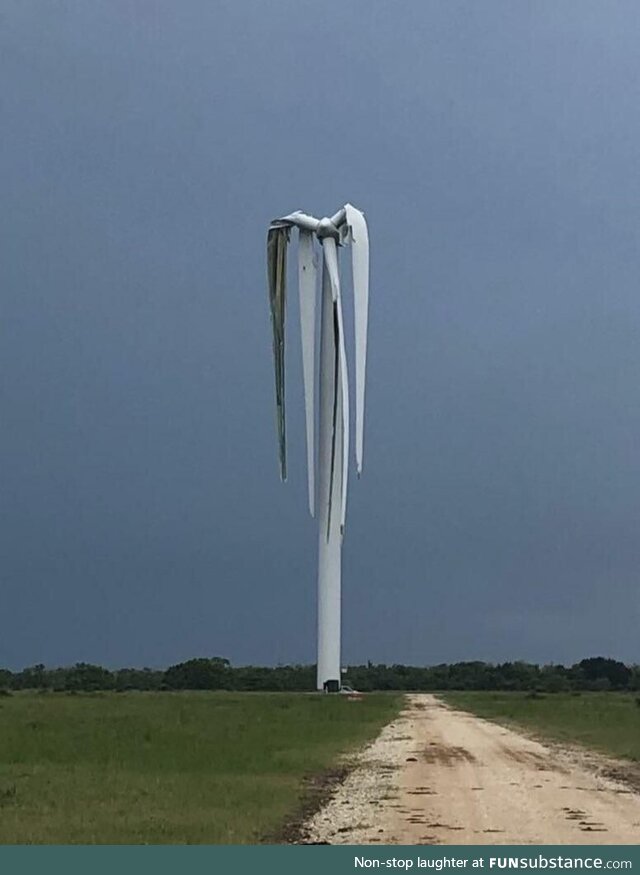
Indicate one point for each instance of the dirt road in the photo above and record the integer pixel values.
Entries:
(439, 776)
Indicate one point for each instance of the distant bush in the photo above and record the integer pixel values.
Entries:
(199, 674)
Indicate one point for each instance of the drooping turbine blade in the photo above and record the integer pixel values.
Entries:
(341, 378)
(307, 285)
(277, 240)
(331, 260)
(344, 393)
(359, 238)
(334, 413)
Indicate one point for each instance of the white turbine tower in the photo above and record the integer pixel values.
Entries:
(327, 474)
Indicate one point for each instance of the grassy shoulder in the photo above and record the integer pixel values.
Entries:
(176, 768)
(608, 722)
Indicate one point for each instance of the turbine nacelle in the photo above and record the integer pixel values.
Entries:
(325, 227)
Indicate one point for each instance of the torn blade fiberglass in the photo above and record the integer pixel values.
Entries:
(307, 284)
(277, 240)
(341, 378)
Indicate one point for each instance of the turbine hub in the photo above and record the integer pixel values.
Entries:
(326, 228)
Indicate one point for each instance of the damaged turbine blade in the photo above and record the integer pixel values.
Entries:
(331, 260)
(277, 240)
(307, 284)
(359, 239)
(344, 404)
(334, 413)
(341, 379)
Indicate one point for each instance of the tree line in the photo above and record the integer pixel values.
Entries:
(215, 673)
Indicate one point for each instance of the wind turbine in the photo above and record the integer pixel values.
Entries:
(328, 469)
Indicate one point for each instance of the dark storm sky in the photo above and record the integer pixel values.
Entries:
(144, 148)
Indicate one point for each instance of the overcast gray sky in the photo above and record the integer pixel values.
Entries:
(145, 147)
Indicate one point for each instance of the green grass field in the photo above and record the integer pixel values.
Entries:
(139, 768)
(609, 722)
